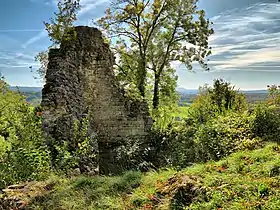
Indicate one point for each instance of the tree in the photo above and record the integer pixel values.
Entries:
(42, 58)
(59, 28)
(23, 155)
(225, 97)
(216, 100)
(274, 94)
(61, 25)
(148, 35)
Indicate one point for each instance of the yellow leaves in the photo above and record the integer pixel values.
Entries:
(157, 4)
(134, 9)
(108, 11)
(140, 7)
(130, 9)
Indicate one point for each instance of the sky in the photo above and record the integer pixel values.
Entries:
(246, 43)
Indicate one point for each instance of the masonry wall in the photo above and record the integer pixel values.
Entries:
(80, 82)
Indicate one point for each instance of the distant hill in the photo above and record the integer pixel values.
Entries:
(180, 90)
(254, 91)
(195, 91)
(26, 89)
(187, 96)
(187, 91)
(33, 94)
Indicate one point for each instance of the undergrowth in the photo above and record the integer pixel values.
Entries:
(243, 180)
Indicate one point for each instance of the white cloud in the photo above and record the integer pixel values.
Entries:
(89, 5)
(244, 38)
(19, 66)
(34, 39)
(86, 7)
(10, 59)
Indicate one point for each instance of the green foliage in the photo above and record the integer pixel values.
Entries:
(61, 26)
(274, 95)
(164, 117)
(206, 133)
(213, 127)
(86, 148)
(131, 155)
(80, 153)
(149, 36)
(222, 136)
(23, 155)
(266, 123)
(216, 100)
(90, 192)
(243, 180)
(42, 58)
(184, 144)
(202, 109)
(222, 95)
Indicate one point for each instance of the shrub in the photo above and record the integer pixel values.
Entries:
(202, 108)
(266, 123)
(80, 153)
(221, 136)
(174, 146)
(217, 100)
(22, 154)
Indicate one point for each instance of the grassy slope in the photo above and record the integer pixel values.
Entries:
(244, 180)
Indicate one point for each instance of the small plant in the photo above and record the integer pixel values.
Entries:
(274, 170)
(81, 152)
(263, 190)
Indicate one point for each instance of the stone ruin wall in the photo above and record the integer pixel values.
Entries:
(80, 81)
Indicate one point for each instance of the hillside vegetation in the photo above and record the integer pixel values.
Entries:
(244, 180)
(219, 152)
(218, 156)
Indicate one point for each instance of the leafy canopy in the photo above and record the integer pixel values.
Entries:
(59, 28)
(216, 100)
(148, 35)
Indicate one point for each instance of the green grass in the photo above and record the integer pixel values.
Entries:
(89, 192)
(244, 180)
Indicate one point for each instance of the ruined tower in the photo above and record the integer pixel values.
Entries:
(80, 82)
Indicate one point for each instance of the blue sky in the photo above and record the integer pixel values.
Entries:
(246, 43)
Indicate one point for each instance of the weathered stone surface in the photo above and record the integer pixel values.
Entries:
(80, 81)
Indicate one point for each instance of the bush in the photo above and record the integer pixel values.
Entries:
(212, 140)
(217, 100)
(203, 109)
(22, 154)
(173, 146)
(222, 136)
(266, 123)
(81, 152)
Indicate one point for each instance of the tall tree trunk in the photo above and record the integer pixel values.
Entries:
(142, 77)
(142, 85)
(156, 91)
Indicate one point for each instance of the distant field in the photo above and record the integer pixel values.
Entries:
(34, 95)
(252, 97)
